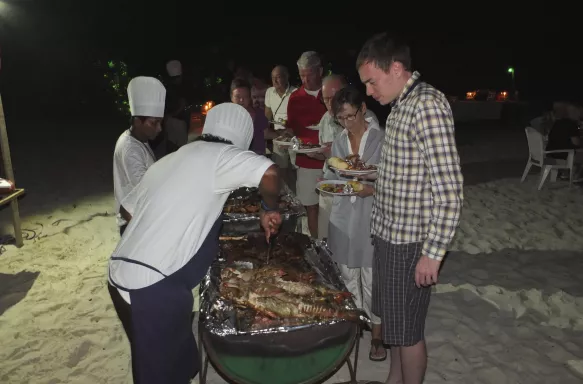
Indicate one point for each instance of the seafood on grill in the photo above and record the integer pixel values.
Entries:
(269, 294)
(299, 287)
(251, 204)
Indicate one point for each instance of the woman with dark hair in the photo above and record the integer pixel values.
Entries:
(349, 229)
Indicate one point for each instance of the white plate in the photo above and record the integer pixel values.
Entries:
(318, 187)
(353, 172)
(313, 127)
(309, 150)
(283, 143)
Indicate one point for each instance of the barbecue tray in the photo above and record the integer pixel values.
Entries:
(294, 206)
(219, 321)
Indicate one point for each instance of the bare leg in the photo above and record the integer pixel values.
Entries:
(395, 373)
(312, 212)
(379, 352)
(414, 363)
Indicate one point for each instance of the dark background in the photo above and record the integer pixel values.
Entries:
(50, 48)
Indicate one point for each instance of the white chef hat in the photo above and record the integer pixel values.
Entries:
(231, 122)
(174, 68)
(147, 96)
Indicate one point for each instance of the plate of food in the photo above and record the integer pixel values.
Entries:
(351, 166)
(309, 148)
(300, 146)
(283, 141)
(340, 187)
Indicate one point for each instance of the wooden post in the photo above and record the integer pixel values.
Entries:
(7, 161)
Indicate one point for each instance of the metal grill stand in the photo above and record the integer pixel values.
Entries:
(205, 360)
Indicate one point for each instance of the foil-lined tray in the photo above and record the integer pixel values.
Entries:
(294, 207)
(219, 316)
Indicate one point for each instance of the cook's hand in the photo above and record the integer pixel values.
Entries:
(270, 221)
(426, 271)
(368, 190)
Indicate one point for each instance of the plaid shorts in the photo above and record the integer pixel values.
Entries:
(395, 297)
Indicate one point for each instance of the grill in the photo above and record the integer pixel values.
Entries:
(301, 354)
(242, 223)
(306, 356)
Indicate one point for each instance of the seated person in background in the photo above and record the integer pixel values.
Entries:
(565, 133)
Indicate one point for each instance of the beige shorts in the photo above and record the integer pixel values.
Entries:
(306, 185)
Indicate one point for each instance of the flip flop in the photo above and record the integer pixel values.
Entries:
(376, 344)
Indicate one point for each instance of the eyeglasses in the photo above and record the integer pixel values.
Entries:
(340, 119)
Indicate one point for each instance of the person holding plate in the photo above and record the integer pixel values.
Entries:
(349, 228)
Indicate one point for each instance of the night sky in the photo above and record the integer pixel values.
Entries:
(49, 48)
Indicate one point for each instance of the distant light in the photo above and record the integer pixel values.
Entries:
(510, 70)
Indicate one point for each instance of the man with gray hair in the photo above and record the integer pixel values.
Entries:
(305, 108)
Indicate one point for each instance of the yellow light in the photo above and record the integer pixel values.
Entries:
(207, 107)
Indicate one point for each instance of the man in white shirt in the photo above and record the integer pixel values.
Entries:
(175, 213)
(276, 99)
(133, 155)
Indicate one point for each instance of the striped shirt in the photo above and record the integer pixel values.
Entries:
(419, 190)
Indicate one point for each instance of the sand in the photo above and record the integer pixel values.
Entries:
(508, 308)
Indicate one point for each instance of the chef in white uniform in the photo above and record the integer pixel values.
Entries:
(172, 238)
(133, 155)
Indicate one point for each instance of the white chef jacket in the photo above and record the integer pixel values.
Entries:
(175, 206)
(131, 159)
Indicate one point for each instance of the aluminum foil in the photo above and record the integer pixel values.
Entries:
(295, 143)
(295, 207)
(219, 316)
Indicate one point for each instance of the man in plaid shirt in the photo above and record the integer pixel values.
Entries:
(418, 200)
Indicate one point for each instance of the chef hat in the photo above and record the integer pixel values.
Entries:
(231, 122)
(174, 68)
(147, 96)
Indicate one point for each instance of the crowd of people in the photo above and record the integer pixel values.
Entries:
(388, 241)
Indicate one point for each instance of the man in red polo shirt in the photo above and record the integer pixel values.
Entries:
(306, 108)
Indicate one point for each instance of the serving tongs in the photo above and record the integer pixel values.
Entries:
(269, 246)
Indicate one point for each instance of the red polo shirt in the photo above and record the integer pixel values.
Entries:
(304, 110)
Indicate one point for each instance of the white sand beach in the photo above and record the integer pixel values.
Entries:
(508, 307)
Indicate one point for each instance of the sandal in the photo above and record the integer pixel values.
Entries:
(377, 344)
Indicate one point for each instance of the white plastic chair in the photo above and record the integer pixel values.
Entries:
(538, 156)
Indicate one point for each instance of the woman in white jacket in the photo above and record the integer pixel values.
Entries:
(349, 229)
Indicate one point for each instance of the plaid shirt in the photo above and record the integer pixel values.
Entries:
(419, 190)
